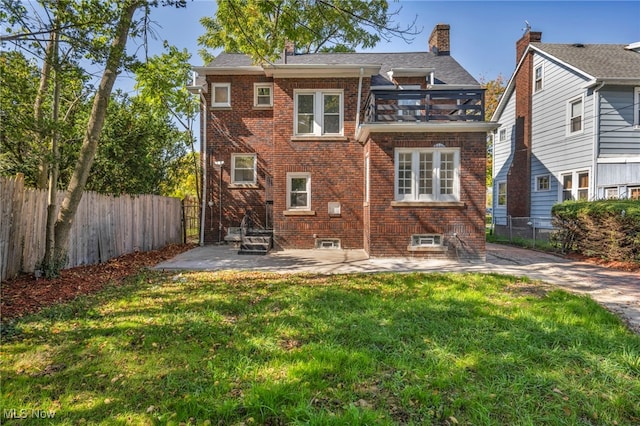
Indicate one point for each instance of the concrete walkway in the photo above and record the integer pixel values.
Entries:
(616, 290)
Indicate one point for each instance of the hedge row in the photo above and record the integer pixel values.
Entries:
(609, 229)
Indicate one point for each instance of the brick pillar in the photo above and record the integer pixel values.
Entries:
(519, 177)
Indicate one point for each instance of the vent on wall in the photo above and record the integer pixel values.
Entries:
(327, 243)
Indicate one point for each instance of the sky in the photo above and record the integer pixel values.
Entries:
(483, 33)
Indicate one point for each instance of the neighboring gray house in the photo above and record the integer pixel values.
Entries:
(569, 127)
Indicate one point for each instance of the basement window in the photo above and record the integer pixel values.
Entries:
(426, 240)
(328, 243)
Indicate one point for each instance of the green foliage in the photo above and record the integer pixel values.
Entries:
(609, 229)
(253, 348)
(139, 149)
(261, 28)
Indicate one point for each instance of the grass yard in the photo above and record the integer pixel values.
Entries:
(249, 348)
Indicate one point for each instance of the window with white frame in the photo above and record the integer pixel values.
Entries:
(426, 240)
(503, 135)
(298, 191)
(583, 186)
(263, 94)
(571, 191)
(243, 169)
(538, 79)
(575, 114)
(611, 193)
(636, 108)
(502, 193)
(318, 113)
(427, 174)
(220, 94)
(543, 183)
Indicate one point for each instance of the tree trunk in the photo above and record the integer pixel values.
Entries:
(92, 135)
(38, 112)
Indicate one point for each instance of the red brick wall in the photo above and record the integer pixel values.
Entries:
(391, 227)
(239, 129)
(336, 167)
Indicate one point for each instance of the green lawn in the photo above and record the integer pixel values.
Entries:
(249, 348)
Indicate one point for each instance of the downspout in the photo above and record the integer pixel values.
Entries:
(203, 160)
(596, 137)
(359, 100)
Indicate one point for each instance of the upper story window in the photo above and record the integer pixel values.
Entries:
(318, 113)
(263, 94)
(538, 79)
(427, 174)
(502, 135)
(243, 169)
(575, 115)
(636, 108)
(220, 94)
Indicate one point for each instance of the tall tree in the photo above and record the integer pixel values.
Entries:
(261, 28)
(99, 31)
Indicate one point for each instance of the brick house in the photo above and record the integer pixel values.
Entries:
(377, 151)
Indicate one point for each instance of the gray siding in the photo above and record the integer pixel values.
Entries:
(618, 138)
(503, 152)
(554, 150)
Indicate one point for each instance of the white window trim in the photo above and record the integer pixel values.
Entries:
(415, 160)
(541, 67)
(537, 186)
(257, 86)
(318, 111)
(575, 182)
(498, 193)
(427, 237)
(233, 168)
(568, 120)
(215, 104)
(291, 176)
(636, 108)
(502, 135)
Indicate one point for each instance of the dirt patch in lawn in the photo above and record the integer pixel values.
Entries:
(26, 294)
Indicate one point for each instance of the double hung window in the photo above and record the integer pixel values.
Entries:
(298, 191)
(243, 169)
(575, 114)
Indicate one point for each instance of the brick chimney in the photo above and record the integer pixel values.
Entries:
(519, 176)
(289, 50)
(439, 40)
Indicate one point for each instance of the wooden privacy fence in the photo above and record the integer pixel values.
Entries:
(104, 226)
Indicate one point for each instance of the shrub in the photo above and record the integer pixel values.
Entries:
(609, 229)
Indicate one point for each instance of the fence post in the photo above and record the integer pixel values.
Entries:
(510, 229)
(183, 220)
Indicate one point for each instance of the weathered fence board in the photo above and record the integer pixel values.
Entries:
(104, 227)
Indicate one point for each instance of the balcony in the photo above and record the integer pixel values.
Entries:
(424, 106)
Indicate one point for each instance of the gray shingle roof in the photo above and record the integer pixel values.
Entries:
(602, 61)
(446, 69)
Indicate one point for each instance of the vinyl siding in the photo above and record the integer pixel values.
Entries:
(554, 151)
(503, 152)
(618, 138)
